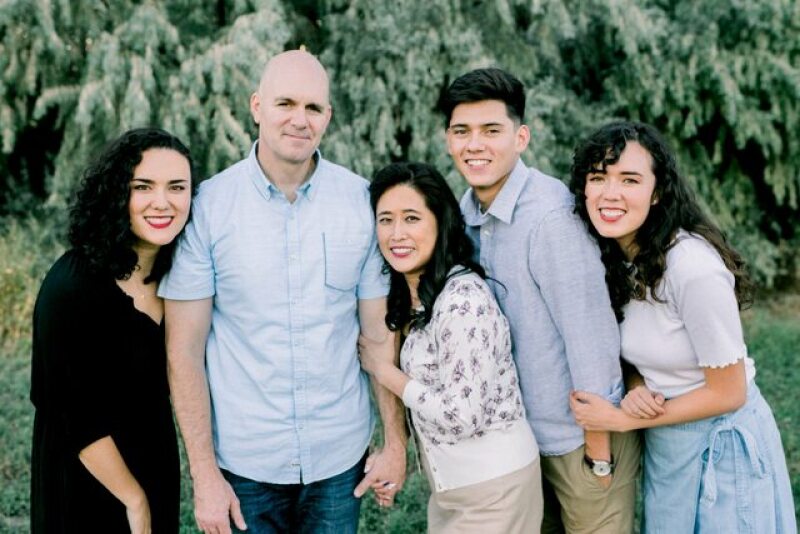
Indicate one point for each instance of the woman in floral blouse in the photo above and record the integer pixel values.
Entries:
(456, 372)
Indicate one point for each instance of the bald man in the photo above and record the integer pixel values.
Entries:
(276, 276)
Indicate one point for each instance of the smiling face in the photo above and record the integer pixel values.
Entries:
(160, 197)
(407, 230)
(619, 199)
(485, 144)
(291, 108)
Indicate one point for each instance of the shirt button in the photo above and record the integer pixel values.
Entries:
(301, 426)
(487, 232)
(292, 257)
(299, 387)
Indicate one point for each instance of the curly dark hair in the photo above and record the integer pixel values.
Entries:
(676, 209)
(452, 246)
(100, 225)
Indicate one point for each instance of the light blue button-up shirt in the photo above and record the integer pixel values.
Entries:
(289, 401)
(554, 295)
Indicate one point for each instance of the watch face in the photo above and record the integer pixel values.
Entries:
(601, 469)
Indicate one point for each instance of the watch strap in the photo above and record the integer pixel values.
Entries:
(591, 463)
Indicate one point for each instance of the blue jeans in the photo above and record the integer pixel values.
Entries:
(323, 507)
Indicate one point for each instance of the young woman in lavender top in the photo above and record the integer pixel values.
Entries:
(456, 373)
(713, 459)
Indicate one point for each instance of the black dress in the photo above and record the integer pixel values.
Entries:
(99, 369)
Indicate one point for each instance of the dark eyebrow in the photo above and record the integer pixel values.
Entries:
(149, 181)
(631, 173)
(484, 125)
(407, 210)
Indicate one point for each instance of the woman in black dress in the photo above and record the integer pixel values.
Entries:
(105, 455)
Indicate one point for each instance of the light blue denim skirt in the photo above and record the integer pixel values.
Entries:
(724, 474)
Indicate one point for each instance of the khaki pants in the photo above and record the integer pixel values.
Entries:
(574, 500)
(511, 504)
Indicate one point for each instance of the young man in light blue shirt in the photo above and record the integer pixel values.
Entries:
(277, 275)
(550, 284)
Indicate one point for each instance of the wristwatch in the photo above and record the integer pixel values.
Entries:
(600, 468)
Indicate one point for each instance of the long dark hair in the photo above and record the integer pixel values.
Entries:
(100, 225)
(676, 208)
(452, 246)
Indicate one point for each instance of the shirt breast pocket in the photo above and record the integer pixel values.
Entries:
(344, 256)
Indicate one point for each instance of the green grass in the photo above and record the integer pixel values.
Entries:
(773, 334)
(27, 249)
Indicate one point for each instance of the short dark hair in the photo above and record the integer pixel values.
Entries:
(677, 208)
(100, 223)
(452, 246)
(485, 84)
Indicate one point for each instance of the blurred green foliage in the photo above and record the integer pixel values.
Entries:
(28, 246)
(721, 78)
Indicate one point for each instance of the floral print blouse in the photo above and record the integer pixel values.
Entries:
(463, 378)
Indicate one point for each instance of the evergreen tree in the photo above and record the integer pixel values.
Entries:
(389, 62)
(42, 46)
(721, 79)
(91, 74)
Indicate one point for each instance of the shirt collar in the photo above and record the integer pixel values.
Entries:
(267, 188)
(504, 203)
